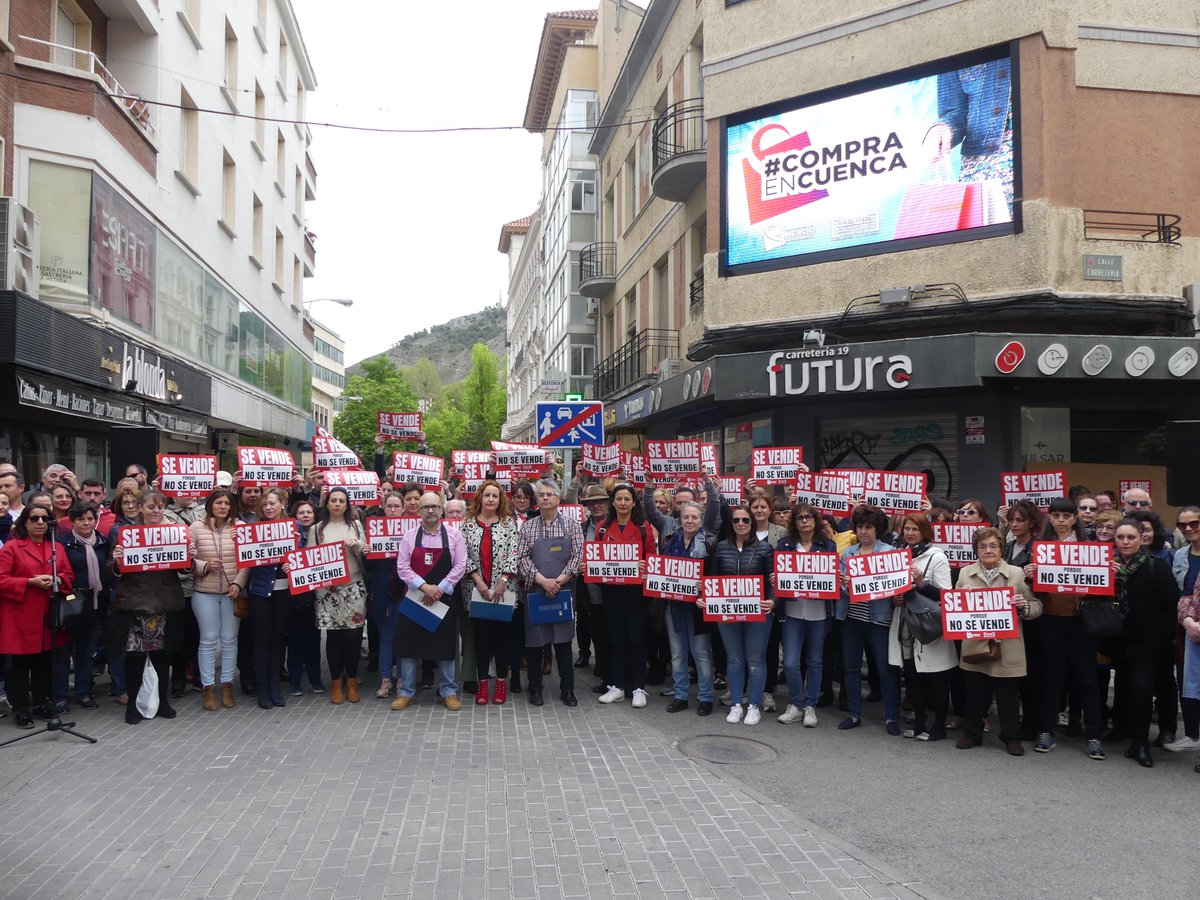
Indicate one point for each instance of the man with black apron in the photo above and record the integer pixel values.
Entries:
(431, 563)
(549, 554)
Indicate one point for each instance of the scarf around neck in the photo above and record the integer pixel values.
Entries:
(93, 564)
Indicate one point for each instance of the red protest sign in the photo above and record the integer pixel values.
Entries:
(733, 598)
(895, 492)
(673, 577)
(1039, 488)
(362, 488)
(330, 453)
(667, 460)
(154, 548)
(985, 614)
(955, 540)
(573, 511)
(417, 468)
(612, 562)
(320, 566)
(874, 576)
(634, 467)
(601, 460)
(856, 477)
(186, 474)
(708, 459)
(776, 465)
(263, 542)
(733, 488)
(460, 458)
(1126, 486)
(806, 576)
(824, 491)
(401, 426)
(520, 459)
(266, 467)
(1073, 567)
(384, 534)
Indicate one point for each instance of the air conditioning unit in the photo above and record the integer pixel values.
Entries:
(21, 247)
(668, 368)
(593, 308)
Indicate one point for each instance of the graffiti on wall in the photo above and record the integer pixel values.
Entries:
(926, 444)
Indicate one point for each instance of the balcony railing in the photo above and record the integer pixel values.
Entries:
(1145, 228)
(680, 144)
(696, 291)
(597, 268)
(636, 361)
(85, 61)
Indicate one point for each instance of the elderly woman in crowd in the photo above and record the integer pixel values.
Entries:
(88, 553)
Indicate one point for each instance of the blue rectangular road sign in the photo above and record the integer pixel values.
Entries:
(568, 423)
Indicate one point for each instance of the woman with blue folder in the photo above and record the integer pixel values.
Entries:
(491, 533)
(549, 554)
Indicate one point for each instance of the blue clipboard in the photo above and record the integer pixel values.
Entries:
(545, 610)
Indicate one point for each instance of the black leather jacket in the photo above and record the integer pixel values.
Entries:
(755, 558)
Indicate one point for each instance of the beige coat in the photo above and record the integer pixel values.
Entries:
(1012, 651)
(212, 545)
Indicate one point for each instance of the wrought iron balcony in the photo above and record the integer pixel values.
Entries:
(696, 290)
(597, 269)
(635, 362)
(1148, 228)
(680, 150)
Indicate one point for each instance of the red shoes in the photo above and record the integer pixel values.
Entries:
(481, 693)
(501, 691)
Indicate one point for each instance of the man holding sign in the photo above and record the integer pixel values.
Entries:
(991, 667)
(432, 561)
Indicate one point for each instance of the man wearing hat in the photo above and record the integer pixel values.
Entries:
(590, 625)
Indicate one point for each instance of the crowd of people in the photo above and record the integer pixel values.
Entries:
(500, 572)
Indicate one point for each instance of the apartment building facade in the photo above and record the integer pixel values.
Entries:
(929, 237)
(171, 247)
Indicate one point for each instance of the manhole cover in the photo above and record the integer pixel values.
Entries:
(721, 749)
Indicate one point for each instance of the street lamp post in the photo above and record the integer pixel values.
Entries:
(340, 301)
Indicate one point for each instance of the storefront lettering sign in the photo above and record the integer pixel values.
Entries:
(805, 373)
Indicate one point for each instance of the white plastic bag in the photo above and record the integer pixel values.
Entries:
(147, 696)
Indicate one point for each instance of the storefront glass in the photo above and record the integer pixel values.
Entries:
(740, 438)
(32, 451)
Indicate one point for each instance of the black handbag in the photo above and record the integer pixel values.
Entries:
(64, 608)
(1101, 618)
(923, 618)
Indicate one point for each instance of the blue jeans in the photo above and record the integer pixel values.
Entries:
(681, 632)
(800, 635)
(856, 635)
(746, 648)
(218, 624)
(409, 668)
(81, 644)
(386, 619)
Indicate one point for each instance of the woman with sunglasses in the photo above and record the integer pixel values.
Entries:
(865, 625)
(972, 512)
(1022, 523)
(746, 642)
(147, 622)
(1066, 648)
(28, 566)
(625, 607)
(805, 622)
(1088, 508)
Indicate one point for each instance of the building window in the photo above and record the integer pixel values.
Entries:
(260, 120)
(231, 60)
(629, 190)
(299, 209)
(189, 139)
(283, 64)
(583, 192)
(301, 102)
(72, 35)
(262, 15)
(189, 14)
(257, 237)
(279, 259)
(280, 162)
(297, 283)
(583, 361)
(228, 192)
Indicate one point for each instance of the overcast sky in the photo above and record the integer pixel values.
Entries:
(407, 225)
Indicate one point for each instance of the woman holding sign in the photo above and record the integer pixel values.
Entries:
(1148, 596)
(1065, 645)
(866, 624)
(146, 623)
(995, 667)
(925, 665)
(269, 601)
(686, 628)
(746, 642)
(624, 604)
(491, 535)
(342, 609)
(218, 583)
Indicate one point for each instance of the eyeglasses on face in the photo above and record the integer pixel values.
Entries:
(427, 507)
(967, 511)
(741, 520)
(1137, 502)
(39, 518)
(1090, 507)
(1189, 526)
(805, 517)
(990, 546)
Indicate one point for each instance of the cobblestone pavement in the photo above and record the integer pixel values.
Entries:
(318, 800)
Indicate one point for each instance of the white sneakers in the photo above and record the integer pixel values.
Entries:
(616, 695)
(753, 715)
(791, 714)
(735, 714)
(1184, 743)
(768, 703)
(639, 698)
(810, 717)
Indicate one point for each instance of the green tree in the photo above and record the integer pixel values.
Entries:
(379, 387)
(484, 399)
(425, 380)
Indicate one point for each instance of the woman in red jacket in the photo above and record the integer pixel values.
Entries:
(26, 584)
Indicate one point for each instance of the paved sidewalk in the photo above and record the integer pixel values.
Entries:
(317, 800)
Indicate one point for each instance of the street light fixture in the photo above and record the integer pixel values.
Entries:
(340, 301)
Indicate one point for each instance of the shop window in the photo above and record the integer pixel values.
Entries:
(740, 438)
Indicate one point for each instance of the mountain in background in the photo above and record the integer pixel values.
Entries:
(448, 346)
